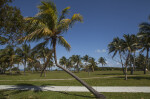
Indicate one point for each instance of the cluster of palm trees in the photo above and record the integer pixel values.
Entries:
(12, 56)
(127, 47)
(77, 62)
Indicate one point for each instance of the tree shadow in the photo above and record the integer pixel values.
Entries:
(3, 95)
(19, 88)
(47, 85)
(74, 94)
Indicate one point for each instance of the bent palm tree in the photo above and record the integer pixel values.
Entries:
(46, 25)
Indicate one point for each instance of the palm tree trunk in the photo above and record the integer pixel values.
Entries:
(78, 67)
(92, 69)
(88, 71)
(130, 63)
(126, 63)
(97, 95)
(122, 63)
(126, 73)
(24, 65)
(147, 56)
(45, 64)
(134, 63)
(44, 69)
(18, 68)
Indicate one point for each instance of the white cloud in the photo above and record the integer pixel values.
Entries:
(100, 51)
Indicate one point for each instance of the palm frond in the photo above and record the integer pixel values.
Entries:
(75, 18)
(63, 25)
(48, 11)
(41, 45)
(64, 43)
(64, 12)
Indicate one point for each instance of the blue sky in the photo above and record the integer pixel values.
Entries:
(103, 20)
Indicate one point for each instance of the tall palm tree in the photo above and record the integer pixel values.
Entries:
(76, 60)
(47, 25)
(92, 63)
(135, 47)
(24, 52)
(128, 47)
(144, 35)
(116, 46)
(63, 61)
(69, 64)
(11, 55)
(86, 59)
(42, 52)
(102, 61)
(4, 60)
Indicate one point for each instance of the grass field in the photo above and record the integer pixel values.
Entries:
(97, 78)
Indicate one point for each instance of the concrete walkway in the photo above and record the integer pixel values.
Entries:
(134, 89)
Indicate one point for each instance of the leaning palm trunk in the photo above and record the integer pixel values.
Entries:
(97, 95)
(47, 61)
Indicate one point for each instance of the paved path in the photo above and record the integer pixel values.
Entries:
(77, 88)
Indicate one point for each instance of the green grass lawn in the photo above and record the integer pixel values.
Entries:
(68, 95)
(104, 78)
(116, 79)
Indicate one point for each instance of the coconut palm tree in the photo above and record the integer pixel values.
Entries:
(135, 47)
(42, 52)
(63, 61)
(102, 61)
(92, 63)
(76, 60)
(144, 35)
(50, 64)
(116, 46)
(4, 60)
(24, 52)
(128, 47)
(69, 64)
(48, 26)
(86, 59)
(11, 55)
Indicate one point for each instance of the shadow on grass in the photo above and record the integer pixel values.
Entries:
(74, 94)
(135, 78)
(47, 85)
(3, 95)
(20, 88)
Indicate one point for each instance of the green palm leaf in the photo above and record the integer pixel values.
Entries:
(64, 43)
